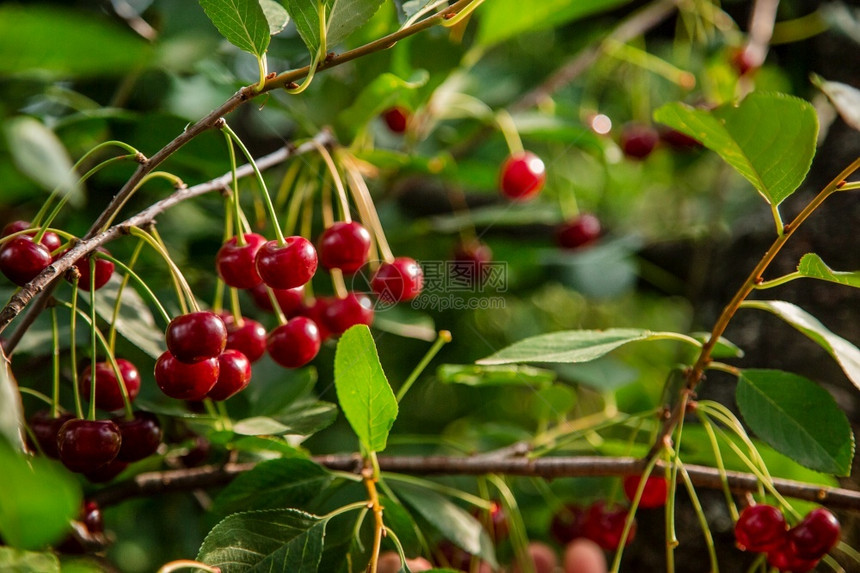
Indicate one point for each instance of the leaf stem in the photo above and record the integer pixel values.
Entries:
(442, 339)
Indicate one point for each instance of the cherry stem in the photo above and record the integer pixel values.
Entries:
(187, 564)
(73, 345)
(519, 535)
(302, 190)
(234, 196)
(721, 468)
(129, 273)
(287, 182)
(235, 307)
(443, 338)
(335, 176)
(94, 357)
(276, 306)
(631, 512)
(55, 360)
(509, 131)
(338, 283)
(179, 282)
(46, 399)
(176, 181)
(119, 291)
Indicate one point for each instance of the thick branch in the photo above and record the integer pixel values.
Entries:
(155, 483)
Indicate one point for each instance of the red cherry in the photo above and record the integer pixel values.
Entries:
(21, 260)
(290, 300)
(183, 380)
(654, 494)
(638, 140)
(234, 375)
(141, 436)
(742, 61)
(91, 516)
(522, 176)
(85, 445)
(108, 394)
(470, 262)
(103, 268)
(578, 232)
(295, 343)
(566, 524)
(604, 525)
(785, 559)
(45, 429)
(396, 118)
(197, 454)
(815, 535)
(398, 281)
(760, 528)
(495, 521)
(107, 472)
(315, 311)
(50, 240)
(344, 246)
(196, 336)
(342, 313)
(288, 266)
(236, 264)
(679, 141)
(249, 338)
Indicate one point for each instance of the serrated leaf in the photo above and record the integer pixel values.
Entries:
(242, 22)
(384, 91)
(797, 418)
(453, 522)
(258, 541)
(476, 375)
(11, 410)
(363, 391)
(305, 15)
(39, 154)
(135, 321)
(347, 16)
(272, 484)
(276, 16)
(813, 267)
(845, 98)
(845, 353)
(566, 346)
(28, 561)
(302, 418)
(768, 138)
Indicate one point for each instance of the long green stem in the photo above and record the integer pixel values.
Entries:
(73, 345)
(94, 357)
(129, 273)
(183, 290)
(440, 488)
(718, 456)
(234, 196)
(55, 359)
(703, 521)
(442, 339)
(631, 513)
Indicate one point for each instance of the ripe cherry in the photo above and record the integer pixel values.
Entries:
(141, 436)
(295, 343)
(786, 560)
(654, 494)
(21, 259)
(566, 524)
(45, 429)
(679, 141)
(760, 528)
(183, 380)
(197, 454)
(604, 525)
(236, 264)
(196, 336)
(103, 271)
(578, 232)
(315, 311)
(342, 313)
(471, 260)
(742, 61)
(234, 375)
(815, 535)
(287, 266)
(522, 176)
(50, 240)
(638, 140)
(249, 338)
(400, 280)
(108, 393)
(85, 445)
(396, 118)
(290, 300)
(344, 246)
(91, 516)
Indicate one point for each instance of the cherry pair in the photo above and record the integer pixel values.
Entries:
(254, 260)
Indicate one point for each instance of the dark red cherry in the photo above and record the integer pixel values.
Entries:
(604, 525)
(742, 61)
(342, 313)
(233, 377)
(654, 494)
(785, 559)
(495, 521)
(679, 141)
(344, 246)
(295, 343)
(196, 336)
(249, 337)
(141, 436)
(566, 524)
(107, 472)
(578, 232)
(760, 528)
(21, 259)
(396, 118)
(108, 393)
(103, 271)
(197, 454)
(815, 535)
(91, 516)
(236, 264)
(315, 311)
(287, 266)
(470, 262)
(522, 176)
(638, 140)
(400, 280)
(185, 381)
(45, 429)
(85, 445)
(290, 300)
(50, 240)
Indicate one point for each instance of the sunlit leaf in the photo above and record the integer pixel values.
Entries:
(845, 98)
(812, 266)
(242, 22)
(476, 375)
(303, 418)
(347, 16)
(276, 15)
(566, 346)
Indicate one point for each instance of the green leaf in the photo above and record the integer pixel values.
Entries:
(453, 522)
(347, 16)
(813, 267)
(604, 374)
(566, 346)
(76, 46)
(475, 375)
(797, 418)
(242, 22)
(504, 19)
(845, 98)
(39, 500)
(39, 154)
(398, 518)
(276, 16)
(11, 410)
(257, 541)
(384, 91)
(272, 484)
(135, 321)
(275, 390)
(303, 419)
(27, 561)
(768, 138)
(305, 16)
(363, 391)
(845, 353)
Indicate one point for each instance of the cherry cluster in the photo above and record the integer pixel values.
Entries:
(762, 528)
